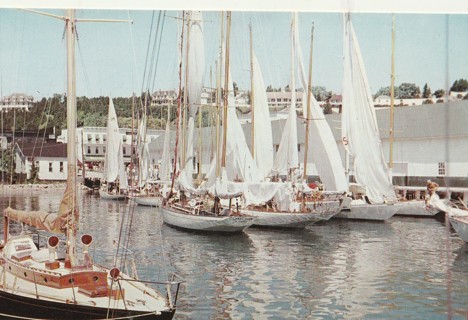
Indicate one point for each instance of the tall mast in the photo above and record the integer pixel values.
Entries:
(71, 139)
(226, 87)
(252, 109)
(309, 94)
(392, 99)
(185, 104)
(218, 95)
(200, 113)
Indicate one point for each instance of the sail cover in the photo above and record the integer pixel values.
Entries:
(263, 140)
(360, 133)
(322, 149)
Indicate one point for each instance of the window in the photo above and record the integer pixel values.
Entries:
(97, 150)
(299, 148)
(61, 166)
(277, 147)
(50, 166)
(89, 150)
(104, 137)
(124, 150)
(104, 149)
(96, 137)
(89, 137)
(441, 167)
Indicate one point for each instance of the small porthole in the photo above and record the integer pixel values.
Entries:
(95, 279)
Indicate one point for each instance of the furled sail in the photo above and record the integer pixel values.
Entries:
(322, 150)
(262, 129)
(287, 156)
(360, 133)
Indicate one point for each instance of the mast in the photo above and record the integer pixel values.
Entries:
(200, 113)
(252, 109)
(309, 94)
(392, 101)
(71, 136)
(218, 95)
(226, 87)
(185, 104)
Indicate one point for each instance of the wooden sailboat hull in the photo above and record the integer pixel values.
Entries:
(297, 220)
(459, 220)
(13, 306)
(148, 201)
(107, 196)
(175, 218)
(365, 211)
(415, 208)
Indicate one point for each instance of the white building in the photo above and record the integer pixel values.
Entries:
(49, 158)
(17, 101)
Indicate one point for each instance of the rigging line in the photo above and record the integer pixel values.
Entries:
(153, 53)
(135, 69)
(157, 54)
(147, 52)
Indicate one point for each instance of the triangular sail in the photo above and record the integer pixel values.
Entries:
(287, 156)
(322, 149)
(262, 130)
(165, 169)
(143, 151)
(360, 133)
(196, 61)
(114, 166)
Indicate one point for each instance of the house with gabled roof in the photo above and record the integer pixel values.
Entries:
(48, 158)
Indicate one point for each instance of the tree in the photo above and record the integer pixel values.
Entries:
(426, 92)
(460, 85)
(408, 91)
(321, 93)
(269, 88)
(287, 89)
(327, 108)
(385, 91)
(235, 89)
(439, 93)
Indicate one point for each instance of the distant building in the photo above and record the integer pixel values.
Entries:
(282, 100)
(164, 98)
(49, 158)
(16, 101)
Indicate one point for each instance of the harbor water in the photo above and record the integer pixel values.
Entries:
(405, 268)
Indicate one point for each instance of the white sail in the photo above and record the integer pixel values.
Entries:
(287, 156)
(186, 175)
(263, 140)
(360, 133)
(114, 165)
(322, 149)
(165, 169)
(143, 151)
(196, 61)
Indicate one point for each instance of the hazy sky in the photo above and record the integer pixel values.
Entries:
(111, 57)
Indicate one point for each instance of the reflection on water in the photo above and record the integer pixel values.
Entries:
(405, 268)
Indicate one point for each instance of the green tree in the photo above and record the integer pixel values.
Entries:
(287, 88)
(327, 108)
(426, 92)
(235, 88)
(439, 93)
(321, 93)
(408, 91)
(460, 85)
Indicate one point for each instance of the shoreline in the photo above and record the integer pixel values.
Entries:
(40, 186)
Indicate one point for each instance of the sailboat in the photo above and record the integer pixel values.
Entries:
(278, 204)
(459, 219)
(38, 282)
(115, 177)
(150, 194)
(413, 207)
(201, 212)
(373, 195)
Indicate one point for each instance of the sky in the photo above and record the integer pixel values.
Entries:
(429, 48)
